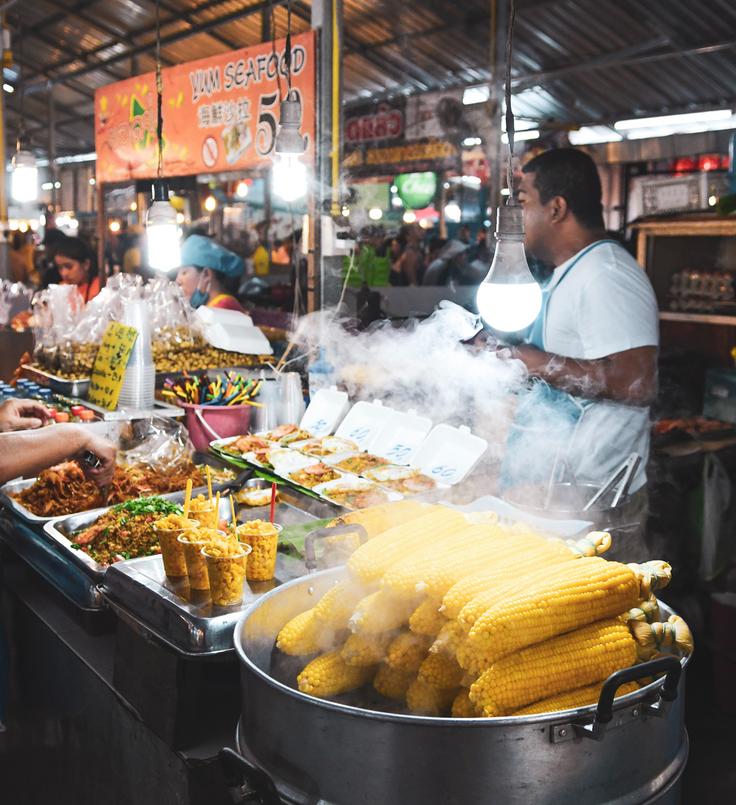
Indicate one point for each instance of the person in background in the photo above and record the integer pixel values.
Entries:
(260, 257)
(18, 259)
(52, 239)
(209, 274)
(408, 269)
(76, 264)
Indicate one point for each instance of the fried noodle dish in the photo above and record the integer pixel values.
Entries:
(126, 531)
(64, 489)
(360, 463)
(314, 474)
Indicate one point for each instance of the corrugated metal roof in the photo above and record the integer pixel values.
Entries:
(575, 61)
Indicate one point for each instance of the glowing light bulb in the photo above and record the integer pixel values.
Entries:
(289, 177)
(509, 299)
(162, 231)
(453, 213)
(210, 204)
(133, 206)
(241, 189)
(25, 177)
(114, 227)
(409, 217)
(375, 213)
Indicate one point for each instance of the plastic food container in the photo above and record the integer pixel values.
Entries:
(192, 543)
(205, 512)
(263, 538)
(226, 568)
(172, 552)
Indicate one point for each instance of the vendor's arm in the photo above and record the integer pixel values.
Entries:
(627, 377)
(28, 452)
(22, 414)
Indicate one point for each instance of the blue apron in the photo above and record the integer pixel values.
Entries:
(546, 418)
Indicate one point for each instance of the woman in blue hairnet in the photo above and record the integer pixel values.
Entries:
(209, 274)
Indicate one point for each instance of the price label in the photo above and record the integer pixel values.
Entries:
(359, 434)
(109, 369)
(443, 471)
(399, 453)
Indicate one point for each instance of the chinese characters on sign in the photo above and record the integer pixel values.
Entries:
(220, 113)
(109, 369)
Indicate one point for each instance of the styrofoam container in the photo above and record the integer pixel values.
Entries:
(283, 460)
(232, 331)
(326, 409)
(364, 422)
(401, 437)
(338, 457)
(449, 454)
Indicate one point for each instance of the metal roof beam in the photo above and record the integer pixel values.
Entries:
(75, 86)
(186, 16)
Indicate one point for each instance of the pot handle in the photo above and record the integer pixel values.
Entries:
(245, 781)
(668, 665)
(310, 555)
(208, 428)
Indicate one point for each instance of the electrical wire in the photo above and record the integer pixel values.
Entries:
(159, 97)
(509, 112)
(272, 14)
(287, 49)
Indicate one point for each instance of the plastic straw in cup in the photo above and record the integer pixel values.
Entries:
(188, 498)
(209, 481)
(273, 503)
(232, 513)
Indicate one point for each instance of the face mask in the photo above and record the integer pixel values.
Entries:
(199, 298)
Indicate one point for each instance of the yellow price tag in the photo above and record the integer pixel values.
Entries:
(109, 369)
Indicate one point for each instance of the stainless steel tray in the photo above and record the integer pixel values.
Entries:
(60, 385)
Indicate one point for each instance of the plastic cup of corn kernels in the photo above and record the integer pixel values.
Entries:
(172, 551)
(192, 543)
(263, 538)
(226, 567)
(205, 512)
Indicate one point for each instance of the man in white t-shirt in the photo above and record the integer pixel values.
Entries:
(595, 342)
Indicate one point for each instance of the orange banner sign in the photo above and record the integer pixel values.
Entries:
(220, 113)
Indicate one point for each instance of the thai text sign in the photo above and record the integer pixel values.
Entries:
(109, 369)
(220, 113)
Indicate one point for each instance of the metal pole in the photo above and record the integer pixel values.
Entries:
(53, 171)
(4, 267)
(327, 19)
(100, 201)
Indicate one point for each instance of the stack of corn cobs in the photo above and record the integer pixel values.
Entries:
(457, 614)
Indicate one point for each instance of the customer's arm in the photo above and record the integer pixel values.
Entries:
(22, 414)
(28, 452)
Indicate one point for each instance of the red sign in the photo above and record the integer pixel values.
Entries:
(387, 123)
(220, 113)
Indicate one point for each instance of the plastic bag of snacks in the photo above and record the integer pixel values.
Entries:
(157, 442)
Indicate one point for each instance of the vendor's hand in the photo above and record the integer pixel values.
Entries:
(22, 415)
(106, 452)
(482, 341)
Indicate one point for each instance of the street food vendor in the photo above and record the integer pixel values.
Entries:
(75, 262)
(209, 274)
(592, 352)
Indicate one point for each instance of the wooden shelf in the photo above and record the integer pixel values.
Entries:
(724, 226)
(698, 318)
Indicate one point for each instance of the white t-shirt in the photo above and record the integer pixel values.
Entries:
(604, 304)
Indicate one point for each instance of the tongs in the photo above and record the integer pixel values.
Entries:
(620, 480)
(93, 462)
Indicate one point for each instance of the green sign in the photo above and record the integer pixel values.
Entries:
(416, 190)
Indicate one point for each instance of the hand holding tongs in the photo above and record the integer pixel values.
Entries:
(92, 461)
(620, 481)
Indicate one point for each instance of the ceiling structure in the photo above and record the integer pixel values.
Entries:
(576, 62)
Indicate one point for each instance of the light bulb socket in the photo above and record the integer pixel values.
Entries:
(289, 140)
(160, 190)
(509, 221)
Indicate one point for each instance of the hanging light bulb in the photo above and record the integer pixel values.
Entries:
(289, 172)
(509, 299)
(241, 189)
(210, 203)
(453, 212)
(25, 177)
(162, 231)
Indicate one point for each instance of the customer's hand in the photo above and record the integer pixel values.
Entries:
(105, 451)
(22, 415)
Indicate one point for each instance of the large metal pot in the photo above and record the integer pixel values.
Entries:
(338, 752)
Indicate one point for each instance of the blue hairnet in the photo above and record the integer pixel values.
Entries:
(203, 252)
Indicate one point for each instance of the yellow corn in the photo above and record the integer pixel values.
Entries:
(391, 683)
(380, 612)
(646, 611)
(427, 619)
(651, 638)
(406, 652)
(363, 650)
(448, 640)
(330, 675)
(377, 519)
(563, 663)
(376, 556)
(440, 671)
(582, 592)
(572, 699)
(462, 707)
(301, 635)
(425, 700)
(336, 606)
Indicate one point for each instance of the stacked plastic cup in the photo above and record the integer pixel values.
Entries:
(139, 384)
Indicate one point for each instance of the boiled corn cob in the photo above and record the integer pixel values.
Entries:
(425, 700)
(570, 661)
(652, 638)
(377, 519)
(391, 683)
(448, 640)
(380, 612)
(330, 675)
(427, 619)
(301, 635)
(462, 707)
(363, 650)
(572, 699)
(583, 592)
(407, 651)
(440, 671)
(647, 611)
(376, 556)
(336, 606)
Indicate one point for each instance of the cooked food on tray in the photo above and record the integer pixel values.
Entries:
(247, 444)
(64, 489)
(454, 618)
(361, 462)
(326, 446)
(692, 425)
(255, 497)
(286, 434)
(406, 480)
(125, 531)
(356, 497)
(314, 474)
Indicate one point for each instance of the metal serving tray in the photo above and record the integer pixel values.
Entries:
(60, 385)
